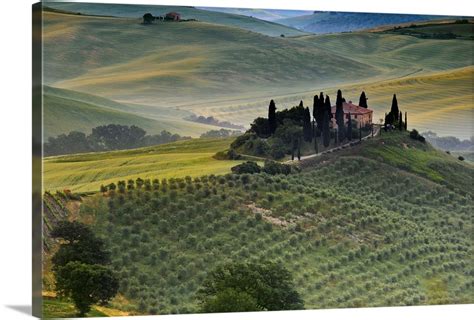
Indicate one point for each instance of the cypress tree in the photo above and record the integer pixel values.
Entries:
(406, 123)
(340, 115)
(394, 109)
(349, 127)
(272, 117)
(307, 125)
(318, 111)
(326, 136)
(363, 100)
(327, 108)
(400, 122)
(315, 107)
(301, 104)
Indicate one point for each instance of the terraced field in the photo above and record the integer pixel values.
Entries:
(358, 228)
(86, 172)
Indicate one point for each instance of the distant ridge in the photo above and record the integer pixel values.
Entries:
(332, 22)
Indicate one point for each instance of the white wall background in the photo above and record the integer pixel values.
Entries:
(15, 158)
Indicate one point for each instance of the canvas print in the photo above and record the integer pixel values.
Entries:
(201, 160)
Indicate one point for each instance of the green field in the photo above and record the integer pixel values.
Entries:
(86, 172)
(363, 227)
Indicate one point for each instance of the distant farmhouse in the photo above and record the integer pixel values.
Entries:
(362, 115)
(173, 16)
(148, 18)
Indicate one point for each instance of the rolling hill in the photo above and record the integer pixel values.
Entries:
(263, 14)
(222, 18)
(333, 22)
(67, 110)
(379, 224)
(231, 73)
(126, 61)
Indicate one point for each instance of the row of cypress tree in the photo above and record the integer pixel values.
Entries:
(319, 126)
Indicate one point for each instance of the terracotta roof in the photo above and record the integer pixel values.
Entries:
(352, 108)
(173, 14)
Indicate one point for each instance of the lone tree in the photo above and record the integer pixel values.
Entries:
(86, 284)
(340, 116)
(249, 287)
(349, 127)
(394, 109)
(325, 133)
(79, 266)
(363, 100)
(272, 117)
(307, 134)
(148, 18)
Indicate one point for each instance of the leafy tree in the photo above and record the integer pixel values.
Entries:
(79, 244)
(261, 127)
(86, 284)
(307, 134)
(326, 133)
(363, 100)
(266, 285)
(78, 266)
(148, 18)
(272, 117)
(230, 300)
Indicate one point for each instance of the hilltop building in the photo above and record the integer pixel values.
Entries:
(173, 16)
(362, 115)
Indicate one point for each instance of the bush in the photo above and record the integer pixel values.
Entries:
(416, 136)
(246, 167)
(273, 168)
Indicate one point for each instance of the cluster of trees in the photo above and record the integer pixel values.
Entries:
(80, 267)
(222, 133)
(290, 127)
(106, 138)
(394, 118)
(270, 167)
(213, 121)
(240, 287)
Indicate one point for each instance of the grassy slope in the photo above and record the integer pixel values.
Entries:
(129, 62)
(66, 110)
(126, 61)
(460, 30)
(86, 172)
(137, 11)
(330, 22)
(376, 227)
